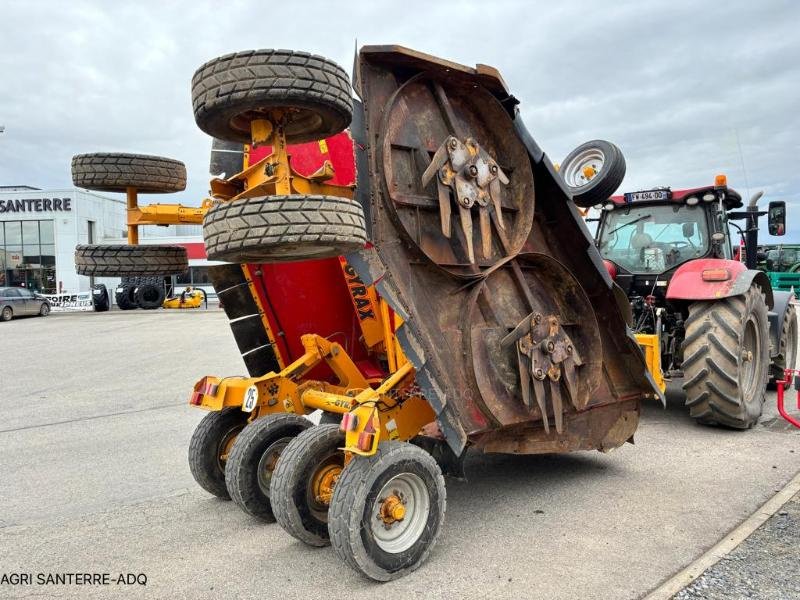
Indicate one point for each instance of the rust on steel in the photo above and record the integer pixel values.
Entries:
(510, 319)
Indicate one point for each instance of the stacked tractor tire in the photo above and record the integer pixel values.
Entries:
(140, 292)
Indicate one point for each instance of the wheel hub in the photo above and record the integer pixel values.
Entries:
(324, 481)
(393, 509)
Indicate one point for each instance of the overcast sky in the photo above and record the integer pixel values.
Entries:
(686, 89)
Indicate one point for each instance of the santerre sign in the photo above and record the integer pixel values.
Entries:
(36, 205)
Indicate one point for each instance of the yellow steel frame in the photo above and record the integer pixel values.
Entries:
(380, 413)
(391, 410)
(651, 346)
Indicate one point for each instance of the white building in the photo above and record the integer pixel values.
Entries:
(39, 230)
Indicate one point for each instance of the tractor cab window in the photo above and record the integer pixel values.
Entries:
(654, 239)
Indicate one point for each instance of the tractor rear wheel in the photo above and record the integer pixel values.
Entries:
(787, 351)
(283, 229)
(303, 483)
(253, 458)
(387, 511)
(120, 260)
(210, 446)
(726, 360)
(117, 171)
(231, 91)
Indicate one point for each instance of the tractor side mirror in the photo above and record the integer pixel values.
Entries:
(688, 230)
(776, 217)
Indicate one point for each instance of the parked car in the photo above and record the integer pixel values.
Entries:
(18, 302)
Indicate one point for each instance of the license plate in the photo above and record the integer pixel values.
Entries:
(651, 195)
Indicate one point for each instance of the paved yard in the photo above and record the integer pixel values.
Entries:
(93, 445)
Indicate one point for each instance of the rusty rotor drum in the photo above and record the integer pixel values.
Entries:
(450, 159)
(499, 323)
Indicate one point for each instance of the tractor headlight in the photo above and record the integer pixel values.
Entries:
(608, 206)
(709, 197)
(692, 200)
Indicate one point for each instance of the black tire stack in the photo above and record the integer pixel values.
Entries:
(140, 292)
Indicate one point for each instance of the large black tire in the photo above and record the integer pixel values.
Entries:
(283, 228)
(787, 346)
(117, 171)
(726, 360)
(253, 459)
(125, 296)
(211, 440)
(295, 488)
(119, 260)
(100, 298)
(150, 296)
(610, 165)
(232, 90)
(353, 521)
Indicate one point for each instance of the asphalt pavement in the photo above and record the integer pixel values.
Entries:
(94, 479)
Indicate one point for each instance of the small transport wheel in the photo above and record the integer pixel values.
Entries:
(118, 260)
(253, 458)
(231, 91)
(303, 483)
(726, 360)
(283, 229)
(116, 172)
(387, 511)
(150, 296)
(210, 446)
(593, 172)
(6, 313)
(44, 309)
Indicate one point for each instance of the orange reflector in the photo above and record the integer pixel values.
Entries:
(721, 181)
(349, 422)
(196, 399)
(716, 275)
(365, 441)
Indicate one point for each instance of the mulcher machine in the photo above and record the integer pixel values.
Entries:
(424, 279)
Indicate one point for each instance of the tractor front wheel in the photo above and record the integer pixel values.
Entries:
(253, 458)
(211, 443)
(387, 511)
(303, 483)
(726, 360)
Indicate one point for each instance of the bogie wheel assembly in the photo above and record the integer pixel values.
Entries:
(387, 510)
(210, 447)
(304, 480)
(253, 458)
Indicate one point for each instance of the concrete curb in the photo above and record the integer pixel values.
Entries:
(680, 580)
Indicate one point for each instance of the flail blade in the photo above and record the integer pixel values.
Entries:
(558, 405)
(568, 372)
(444, 207)
(437, 162)
(538, 390)
(524, 377)
(494, 192)
(486, 231)
(466, 226)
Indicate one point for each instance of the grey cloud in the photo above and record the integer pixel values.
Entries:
(680, 86)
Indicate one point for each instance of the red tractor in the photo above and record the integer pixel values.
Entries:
(699, 306)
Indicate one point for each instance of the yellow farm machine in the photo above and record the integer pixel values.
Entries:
(422, 278)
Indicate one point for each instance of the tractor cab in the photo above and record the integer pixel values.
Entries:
(645, 236)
